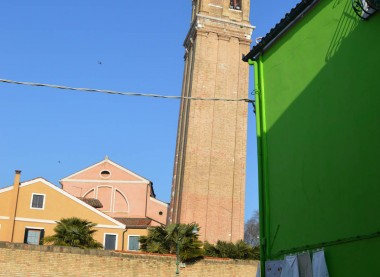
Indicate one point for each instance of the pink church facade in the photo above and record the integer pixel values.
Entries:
(123, 194)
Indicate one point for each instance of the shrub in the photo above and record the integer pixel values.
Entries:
(239, 250)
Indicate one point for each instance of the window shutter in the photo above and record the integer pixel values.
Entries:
(134, 243)
(42, 234)
(110, 242)
(26, 235)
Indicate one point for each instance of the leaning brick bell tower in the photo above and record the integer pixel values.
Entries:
(210, 161)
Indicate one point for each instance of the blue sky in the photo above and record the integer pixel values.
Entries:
(113, 45)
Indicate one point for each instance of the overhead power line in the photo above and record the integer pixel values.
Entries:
(124, 93)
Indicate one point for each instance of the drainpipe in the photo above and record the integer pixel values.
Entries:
(265, 159)
(261, 153)
(122, 241)
(13, 204)
(146, 199)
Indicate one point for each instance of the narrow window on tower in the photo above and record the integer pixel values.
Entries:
(235, 4)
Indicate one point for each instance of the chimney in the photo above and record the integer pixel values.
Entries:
(16, 182)
(13, 204)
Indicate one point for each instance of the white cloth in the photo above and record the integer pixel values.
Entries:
(258, 271)
(290, 268)
(273, 268)
(304, 265)
(319, 264)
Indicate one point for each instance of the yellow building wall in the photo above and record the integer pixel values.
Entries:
(3, 229)
(4, 203)
(49, 230)
(57, 205)
(133, 232)
(5, 197)
(20, 226)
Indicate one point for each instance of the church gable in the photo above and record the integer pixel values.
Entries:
(104, 171)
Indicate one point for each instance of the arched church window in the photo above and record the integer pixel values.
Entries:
(235, 4)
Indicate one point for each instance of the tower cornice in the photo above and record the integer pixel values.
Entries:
(217, 19)
(222, 27)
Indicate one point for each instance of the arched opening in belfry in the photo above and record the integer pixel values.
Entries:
(235, 4)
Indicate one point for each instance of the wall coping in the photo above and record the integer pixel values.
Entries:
(108, 253)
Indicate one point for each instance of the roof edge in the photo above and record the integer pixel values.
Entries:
(112, 163)
(280, 28)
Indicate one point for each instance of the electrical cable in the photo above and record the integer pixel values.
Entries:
(123, 93)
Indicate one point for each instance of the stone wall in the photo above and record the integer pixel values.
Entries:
(18, 259)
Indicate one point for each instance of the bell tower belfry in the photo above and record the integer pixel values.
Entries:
(210, 162)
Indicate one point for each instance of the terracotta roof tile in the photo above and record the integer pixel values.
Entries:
(134, 222)
(92, 202)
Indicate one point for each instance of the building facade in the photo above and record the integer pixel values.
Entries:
(209, 172)
(318, 119)
(123, 194)
(30, 210)
(120, 202)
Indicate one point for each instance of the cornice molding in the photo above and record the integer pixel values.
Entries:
(203, 25)
(106, 181)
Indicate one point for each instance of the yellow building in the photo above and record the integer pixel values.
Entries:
(29, 211)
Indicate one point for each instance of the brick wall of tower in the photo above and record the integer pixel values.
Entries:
(209, 175)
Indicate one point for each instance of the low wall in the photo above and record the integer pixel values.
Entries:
(17, 259)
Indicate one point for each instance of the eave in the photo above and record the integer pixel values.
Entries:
(291, 18)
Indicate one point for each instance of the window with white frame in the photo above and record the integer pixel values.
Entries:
(38, 201)
(110, 241)
(133, 243)
(33, 236)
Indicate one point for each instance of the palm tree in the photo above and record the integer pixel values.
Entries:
(74, 232)
(155, 241)
(187, 240)
(163, 240)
